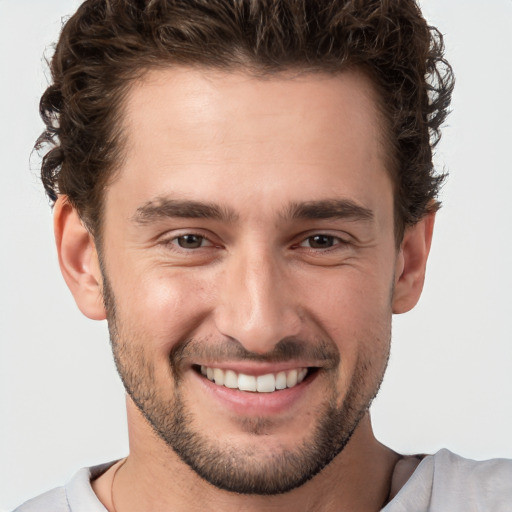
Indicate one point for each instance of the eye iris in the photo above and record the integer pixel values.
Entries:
(321, 241)
(190, 241)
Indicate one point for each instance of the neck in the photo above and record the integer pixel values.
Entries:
(154, 478)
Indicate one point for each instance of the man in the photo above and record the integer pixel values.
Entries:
(245, 191)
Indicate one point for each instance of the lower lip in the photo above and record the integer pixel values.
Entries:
(248, 403)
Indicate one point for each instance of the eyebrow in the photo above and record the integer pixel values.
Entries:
(163, 207)
(329, 209)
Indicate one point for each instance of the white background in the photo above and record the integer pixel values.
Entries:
(450, 377)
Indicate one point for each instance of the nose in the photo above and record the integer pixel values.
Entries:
(257, 306)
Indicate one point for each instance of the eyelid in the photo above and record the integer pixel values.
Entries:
(340, 238)
(171, 238)
(205, 242)
(337, 242)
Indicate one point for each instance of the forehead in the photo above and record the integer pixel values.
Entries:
(229, 136)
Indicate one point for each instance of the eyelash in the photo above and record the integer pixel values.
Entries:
(175, 241)
(335, 242)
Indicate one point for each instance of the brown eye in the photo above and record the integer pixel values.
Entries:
(321, 241)
(190, 241)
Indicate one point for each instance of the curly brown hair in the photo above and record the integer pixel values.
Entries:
(107, 44)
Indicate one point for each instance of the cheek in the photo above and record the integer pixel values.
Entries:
(359, 323)
(354, 310)
(162, 307)
(351, 297)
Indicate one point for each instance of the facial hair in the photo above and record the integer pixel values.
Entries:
(243, 470)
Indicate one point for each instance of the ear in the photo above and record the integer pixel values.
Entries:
(411, 264)
(78, 259)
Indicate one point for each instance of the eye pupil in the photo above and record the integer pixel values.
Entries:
(321, 241)
(190, 241)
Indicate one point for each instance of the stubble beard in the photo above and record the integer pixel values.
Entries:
(232, 468)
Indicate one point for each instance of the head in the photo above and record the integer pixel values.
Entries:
(250, 186)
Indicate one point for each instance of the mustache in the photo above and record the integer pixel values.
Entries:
(320, 351)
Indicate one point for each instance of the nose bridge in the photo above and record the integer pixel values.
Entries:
(256, 307)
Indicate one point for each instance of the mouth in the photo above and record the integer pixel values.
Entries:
(267, 383)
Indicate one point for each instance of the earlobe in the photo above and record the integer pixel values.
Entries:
(78, 260)
(411, 264)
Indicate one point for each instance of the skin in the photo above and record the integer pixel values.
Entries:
(256, 148)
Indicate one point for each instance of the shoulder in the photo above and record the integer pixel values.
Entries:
(76, 496)
(486, 482)
(447, 482)
(488, 469)
(54, 500)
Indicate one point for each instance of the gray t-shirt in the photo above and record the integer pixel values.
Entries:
(443, 482)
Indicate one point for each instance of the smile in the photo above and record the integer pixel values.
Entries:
(267, 383)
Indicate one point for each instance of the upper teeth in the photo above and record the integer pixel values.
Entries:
(262, 383)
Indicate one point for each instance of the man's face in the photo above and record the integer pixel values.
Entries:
(249, 236)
